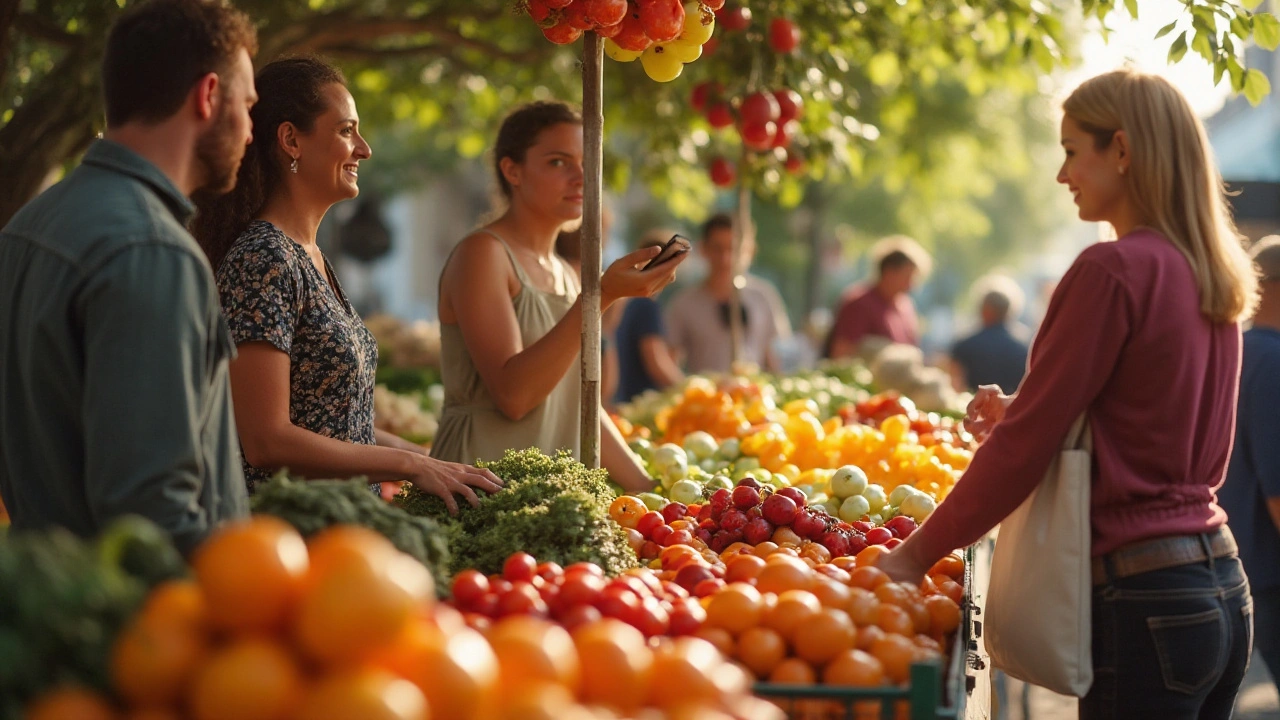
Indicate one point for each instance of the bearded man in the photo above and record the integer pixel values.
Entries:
(114, 397)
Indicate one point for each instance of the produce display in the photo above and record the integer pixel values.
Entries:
(65, 600)
(313, 505)
(552, 507)
(412, 415)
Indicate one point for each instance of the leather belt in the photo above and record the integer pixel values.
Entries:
(1166, 552)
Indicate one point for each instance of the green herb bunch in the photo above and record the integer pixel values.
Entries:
(553, 508)
(313, 505)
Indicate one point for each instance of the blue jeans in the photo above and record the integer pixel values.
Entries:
(1171, 644)
(1266, 629)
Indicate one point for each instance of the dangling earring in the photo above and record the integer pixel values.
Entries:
(293, 166)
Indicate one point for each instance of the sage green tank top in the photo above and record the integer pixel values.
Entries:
(471, 425)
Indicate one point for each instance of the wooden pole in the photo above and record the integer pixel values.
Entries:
(592, 198)
(740, 238)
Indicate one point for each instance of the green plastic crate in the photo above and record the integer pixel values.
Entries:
(936, 691)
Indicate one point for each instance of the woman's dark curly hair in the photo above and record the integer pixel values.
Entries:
(289, 90)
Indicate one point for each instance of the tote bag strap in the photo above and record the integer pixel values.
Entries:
(1080, 436)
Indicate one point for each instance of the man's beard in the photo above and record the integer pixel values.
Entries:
(219, 151)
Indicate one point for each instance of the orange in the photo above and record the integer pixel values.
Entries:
(735, 608)
(845, 563)
(782, 573)
(920, 616)
(533, 651)
(70, 703)
(950, 565)
(251, 574)
(832, 572)
(832, 594)
(816, 552)
(719, 637)
(249, 679)
(154, 659)
(893, 619)
(365, 693)
(541, 701)
(895, 653)
(870, 555)
(793, 609)
(862, 606)
(627, 510)
(944, 615)
(742, 568)
(684, 669)
(616, 664)
(765, 549)
(358, 602)
(867, 577)
(454, 667)
(867, 636)
(953, 590)
(854, 668)
(179, 600)
(827, 634)
(793, 671)
(677, 556)
(760, 650)
(784, 535)
(894, 594)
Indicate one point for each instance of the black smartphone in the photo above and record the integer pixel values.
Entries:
(675, 247)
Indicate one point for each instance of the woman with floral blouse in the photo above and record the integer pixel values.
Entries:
(303, 378)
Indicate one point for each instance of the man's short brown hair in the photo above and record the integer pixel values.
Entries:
(156, 52)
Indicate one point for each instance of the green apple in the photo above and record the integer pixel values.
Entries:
(832, 506)
(900, 493)
(747, 463)
(687, 492)
(708, 465)
(918, 507)
(719, 481)
(875, 519)
(641, 447)
(653, 501)
(875, 495)
(729, 449)
(700, 445)
(853, 508)
(848, 481)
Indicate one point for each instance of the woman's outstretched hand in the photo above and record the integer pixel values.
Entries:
(625, 278)
(446, 479)
(986, 410)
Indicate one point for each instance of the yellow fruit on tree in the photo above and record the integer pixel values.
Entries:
(660, 64)
(615, 52)
(698, 25)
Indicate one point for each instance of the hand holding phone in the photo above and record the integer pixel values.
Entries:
(675, 247)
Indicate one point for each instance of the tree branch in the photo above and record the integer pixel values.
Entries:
(40, 28)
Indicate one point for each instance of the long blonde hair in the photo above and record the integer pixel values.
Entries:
(1173, 180)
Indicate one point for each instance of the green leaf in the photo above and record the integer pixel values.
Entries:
(1241, 27)
(1178, 49)
(1250, 4)
(1132, 7)
(1166, 29)
(1266, 30)
(1219, 67)
(1236, 71)
(1203, 44)
(1256, 86)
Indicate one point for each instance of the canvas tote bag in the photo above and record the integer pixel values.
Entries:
(1038, 618)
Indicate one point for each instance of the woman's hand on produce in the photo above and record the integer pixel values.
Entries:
(986, 410)
(902, 565)
(446, 479)
(625, 278)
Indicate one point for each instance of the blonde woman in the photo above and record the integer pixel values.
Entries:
(1142, 335)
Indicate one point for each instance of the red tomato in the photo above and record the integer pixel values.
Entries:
(520, 566)
(581, 589)
(522, 599)
(469, 586)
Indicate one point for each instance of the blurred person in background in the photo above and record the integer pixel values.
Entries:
(997, 353)
(645, 359)
(1251, 494)
(883, 309)
(698, 319)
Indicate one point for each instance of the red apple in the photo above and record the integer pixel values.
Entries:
(723, 174)
(733, 18)
(790, 104)
(759, 108)
(784, 36)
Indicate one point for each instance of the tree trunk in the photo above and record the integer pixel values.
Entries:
(816, 202)
(593, 203)
(51, 126)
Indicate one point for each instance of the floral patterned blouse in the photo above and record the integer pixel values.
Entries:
(272, 292)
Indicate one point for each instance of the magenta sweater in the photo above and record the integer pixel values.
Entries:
(1124, 339)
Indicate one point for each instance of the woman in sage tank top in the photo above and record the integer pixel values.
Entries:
(509, 310)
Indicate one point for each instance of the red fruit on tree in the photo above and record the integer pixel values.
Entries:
(733, 18)
(632, 36)
(609, 31)
(557, 4)
(723, 174)
(758, 136)
(605, 12)
(663, 20)
(539, 10)
(562, 33)
(784, 36)
(720, 115)
(709, 47)
(790, 105)
(713, 4)
(576, 16)
(702, 94)
(795, 165)
(759, 108)
(782, 135)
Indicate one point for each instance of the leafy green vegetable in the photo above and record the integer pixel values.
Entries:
(313, 505)
(65, 600)
(553, 508)
(406, 380)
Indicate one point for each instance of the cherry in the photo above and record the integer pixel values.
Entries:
(759, 108)
(605, 13)
(784, 36)
(790, 104)
(734, 18)
(663, 20)
(720, 115)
